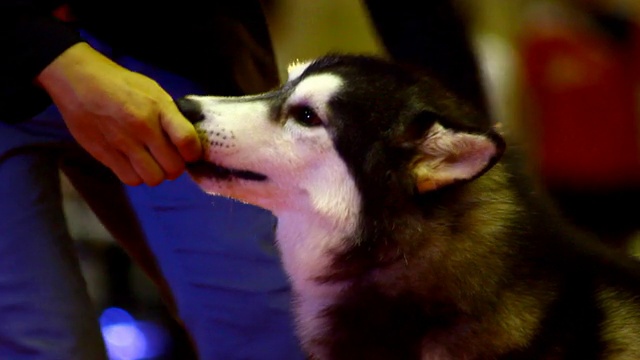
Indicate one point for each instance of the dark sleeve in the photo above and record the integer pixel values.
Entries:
(433, 35)
(31, 38)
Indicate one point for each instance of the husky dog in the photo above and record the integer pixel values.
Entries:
(408, 232)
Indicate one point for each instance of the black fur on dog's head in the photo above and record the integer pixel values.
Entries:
(383, 113)
(381, 120)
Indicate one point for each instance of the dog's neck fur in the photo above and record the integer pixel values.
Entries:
(327, 301)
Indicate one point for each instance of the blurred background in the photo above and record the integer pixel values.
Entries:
(563, 77)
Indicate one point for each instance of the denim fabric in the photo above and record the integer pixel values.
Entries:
(216, 255)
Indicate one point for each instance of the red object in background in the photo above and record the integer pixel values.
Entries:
(584, 88)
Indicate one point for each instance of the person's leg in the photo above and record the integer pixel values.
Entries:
(219, 259)
(45, 310)
(107, 198)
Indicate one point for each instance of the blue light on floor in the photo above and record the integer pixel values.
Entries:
(129, 339)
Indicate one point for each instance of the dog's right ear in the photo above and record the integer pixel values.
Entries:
(446, 156)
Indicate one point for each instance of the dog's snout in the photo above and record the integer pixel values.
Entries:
(190, 109)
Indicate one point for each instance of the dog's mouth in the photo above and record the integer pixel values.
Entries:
(211, 170)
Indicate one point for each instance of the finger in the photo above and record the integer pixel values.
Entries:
(135, 149)
(98, 147)
(167, 156)
(181, 133)
(116, 161)
(123, 169)
(146, 166)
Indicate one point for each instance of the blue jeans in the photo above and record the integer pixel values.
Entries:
(214, 257)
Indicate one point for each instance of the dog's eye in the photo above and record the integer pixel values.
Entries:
(305, 116)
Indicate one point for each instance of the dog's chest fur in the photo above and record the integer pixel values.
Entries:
(453, 294)
(429, 298)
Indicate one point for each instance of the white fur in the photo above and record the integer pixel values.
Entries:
(296, 68)
(309, 188)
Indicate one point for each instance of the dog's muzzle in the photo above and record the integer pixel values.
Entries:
(213, 171)
(192, 110)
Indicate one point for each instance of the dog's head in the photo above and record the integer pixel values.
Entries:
(344, 134)
(338, 118)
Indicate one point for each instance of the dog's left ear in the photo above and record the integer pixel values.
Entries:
(447, 156)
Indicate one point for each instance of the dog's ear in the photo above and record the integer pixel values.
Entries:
(447, 156)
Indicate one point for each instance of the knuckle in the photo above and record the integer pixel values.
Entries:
(153, 182)
(129, 178)
(175, 170)
(140, 119)
(128, 113)
(154, 178)
(118, 140)
(133, 182)
(141, 124)
(145, 167)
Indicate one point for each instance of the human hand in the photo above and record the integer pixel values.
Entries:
(122, 118)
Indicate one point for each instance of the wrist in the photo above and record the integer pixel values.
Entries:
(72, 61)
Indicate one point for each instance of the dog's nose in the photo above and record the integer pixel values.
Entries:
(190, 109)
